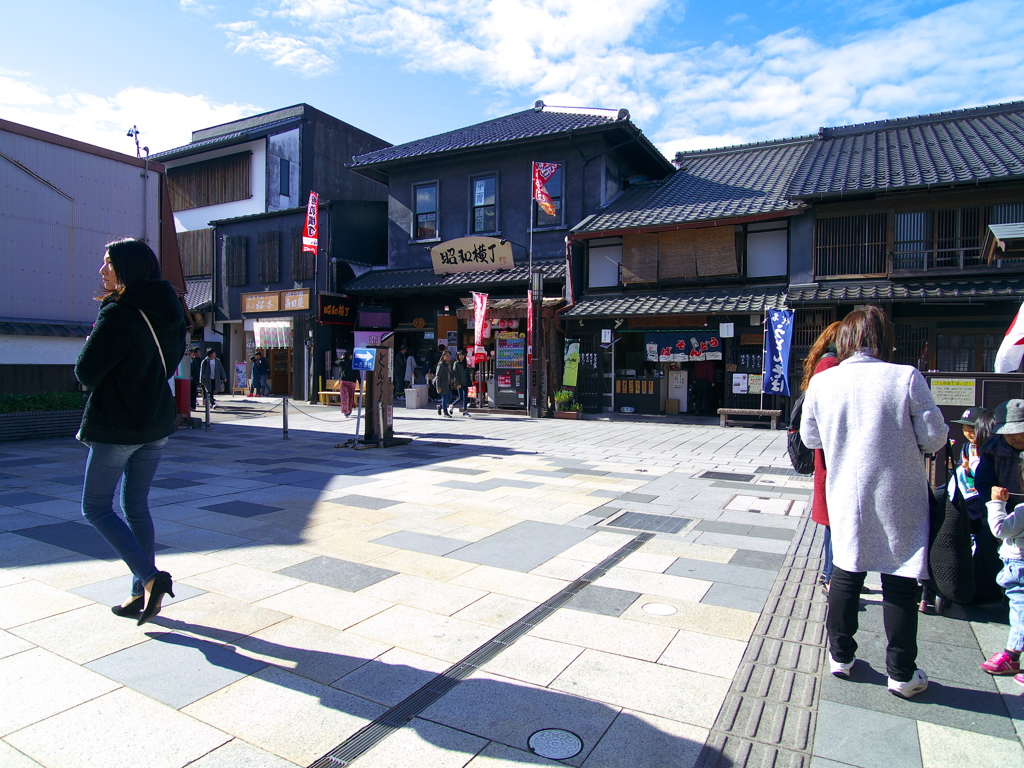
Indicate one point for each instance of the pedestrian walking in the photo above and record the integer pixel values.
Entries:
(347, 384)
(874, 421)
(195, 361)
(211, 375)
(134, 347)
(461, 380)
(261, 368)
(410, 369)
(1009, 528)
(442, 381)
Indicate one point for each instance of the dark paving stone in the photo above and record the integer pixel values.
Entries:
(604, 511)
(23, 499)
(735, 596)
(641, 521)
(864, 738)
(113, 591)
(24, 462)
(364, 502)
(261, 460)
(77, 537)
(602, 493)
(191, 475)
(762, 488)
(184, 459)
(173, 483)
(726, 573)
(642, 498)
(421, 542)
(753, 559)
(778, 471)
(595, 473)
(603, 600)
(239, 508)
(738, 529)
(301, 476)
(545, 472)
(340, 574)
(936, 629)
(68, 480)
(176, 670)
(953, 663)
(19, 519)
(737, 476)
(522, 547)
(457, 470)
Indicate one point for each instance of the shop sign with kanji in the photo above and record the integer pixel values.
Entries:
(471, 254)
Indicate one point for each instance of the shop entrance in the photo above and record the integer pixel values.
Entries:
(280, 370)
(677, 389)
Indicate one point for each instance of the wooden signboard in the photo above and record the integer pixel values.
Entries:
(472, 254)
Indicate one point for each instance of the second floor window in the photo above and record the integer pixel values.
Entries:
(850, 245)
(540, 217)
(484, 209)
(286, 172)
(425, 201)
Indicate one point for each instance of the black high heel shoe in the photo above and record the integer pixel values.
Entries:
(130, 610)
(162, 585)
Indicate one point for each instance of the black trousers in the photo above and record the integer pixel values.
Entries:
(900, 596)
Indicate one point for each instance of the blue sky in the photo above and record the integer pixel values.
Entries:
(693, 75)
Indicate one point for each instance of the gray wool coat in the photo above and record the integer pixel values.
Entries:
(874, 421)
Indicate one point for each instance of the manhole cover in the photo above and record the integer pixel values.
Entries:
(556, 744)
(659, 609)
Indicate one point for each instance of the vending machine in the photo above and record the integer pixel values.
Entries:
(510, 369)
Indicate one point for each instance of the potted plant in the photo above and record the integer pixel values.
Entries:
(563, 399)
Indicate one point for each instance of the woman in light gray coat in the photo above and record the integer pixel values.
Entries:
(874, 420)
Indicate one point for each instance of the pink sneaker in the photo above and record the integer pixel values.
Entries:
(1019, 679)
(1002, 663)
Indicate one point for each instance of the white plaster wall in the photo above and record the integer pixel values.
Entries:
(200, 218)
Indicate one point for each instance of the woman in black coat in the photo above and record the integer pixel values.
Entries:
(134, 347)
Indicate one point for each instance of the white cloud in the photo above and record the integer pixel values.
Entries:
(736, 18)
(280, 50)
(196, 7)
(165, 120)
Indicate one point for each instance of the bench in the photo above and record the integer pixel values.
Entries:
(330, 395)
(727, 416)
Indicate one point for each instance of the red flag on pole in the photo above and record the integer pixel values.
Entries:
(309, 236)
(479, 318)
(1011, 350)
(542, 172)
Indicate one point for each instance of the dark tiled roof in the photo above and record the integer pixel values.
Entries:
(409, 280)
(527, 124)
(885, 289)
(198, 294)
(729, 183)
(970, 145)
(236, 137)
(44, 329)
(739, 300)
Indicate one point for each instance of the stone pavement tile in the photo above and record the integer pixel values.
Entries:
(347, 547)
(721, 573)
(171, 739)
(83, 634)
(596, 548)
(176, 669)
(496, 610)
(602, 600)
(936, 629)
(952, 663)
(77, 537)
(242, 582)
(392, 677)
(10, 576)
(12, 758)
(285, 714)
(74, 571)
(216, 617)
(214, 521)
(697, 617)
(821, 762)
(742, 542)
(758, 520)
(15, 519)
(698, 652)
(423, 565)
(238, 754)
(425, 594)
(753, 559)
(266, 558)
(113, 592)
(604, 633)
(655, 584)
(22, 499)
(533, 660)
(325, 605)
(562, 568)
(640, 740)
(734, 596)
(648, 561)
(44, 684)
(423, 744)
(497, 755)
(29, 601)
(942, 747)
(866, 739)
(202, 540)
(502, 710)
(16, 551)
(419, 542)
(431, 634)
(314, 651)
(340, 574)
(670, 545)
(12, 644)
(526, 586)
(676, 694)
(642, 521)
(522, 547)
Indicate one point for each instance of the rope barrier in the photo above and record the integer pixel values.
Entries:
(318, 418)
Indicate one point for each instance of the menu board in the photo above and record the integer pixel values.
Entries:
(509, 369)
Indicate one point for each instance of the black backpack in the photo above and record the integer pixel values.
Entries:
(800, 456)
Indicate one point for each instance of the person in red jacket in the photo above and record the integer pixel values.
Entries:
(821, 357)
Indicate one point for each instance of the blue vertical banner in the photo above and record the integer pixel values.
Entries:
(777, 342)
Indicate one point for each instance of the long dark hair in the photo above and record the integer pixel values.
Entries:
(866, 329)
(132, 260)
(984, 428)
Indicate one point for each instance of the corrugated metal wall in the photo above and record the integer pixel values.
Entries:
(58, 207)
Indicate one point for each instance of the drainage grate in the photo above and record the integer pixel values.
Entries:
(641, 521)
(740, 478)
(375, 732)
(778, 471)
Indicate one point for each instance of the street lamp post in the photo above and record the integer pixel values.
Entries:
(537, 406)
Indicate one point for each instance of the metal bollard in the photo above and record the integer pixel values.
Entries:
(284, 413)
(206, 401)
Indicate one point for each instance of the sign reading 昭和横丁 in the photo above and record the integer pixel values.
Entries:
(472, 254)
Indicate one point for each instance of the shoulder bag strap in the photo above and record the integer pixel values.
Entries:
(159, 349)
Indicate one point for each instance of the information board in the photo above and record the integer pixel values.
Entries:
(363, 359)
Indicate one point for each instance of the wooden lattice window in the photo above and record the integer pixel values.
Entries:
(196, 249)
(850, 246)
(210, 182)
(303, 263)
(639, 258)
(911, 344)
(235, 272)
(268, 257)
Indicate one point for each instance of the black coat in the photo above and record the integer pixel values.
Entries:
(1000, 465)
(131, 403)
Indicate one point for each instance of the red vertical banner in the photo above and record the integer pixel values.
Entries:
(479, 320)
(542, 172)
(529, 327)
(310, 236)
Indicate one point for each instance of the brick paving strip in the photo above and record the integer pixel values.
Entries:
(768, 716)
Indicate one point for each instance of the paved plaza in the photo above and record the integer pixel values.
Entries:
(616, 593)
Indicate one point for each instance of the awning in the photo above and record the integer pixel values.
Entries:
(45, 329)
(886, 290)
(1003, 241)
(416, 280)
(508, 308)
(749, 299)
(200, 292)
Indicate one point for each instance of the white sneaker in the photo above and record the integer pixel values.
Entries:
(839, 669)
(913, 686)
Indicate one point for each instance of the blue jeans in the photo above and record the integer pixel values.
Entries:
(461, 397)
(446, 399)
(1011, 578)
(826, 556)
(132, 541)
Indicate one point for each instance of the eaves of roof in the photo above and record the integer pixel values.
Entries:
(199, 293)
(886, 290)
(29, 328)
(238, 137)
(710, 301)
(417, 280)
